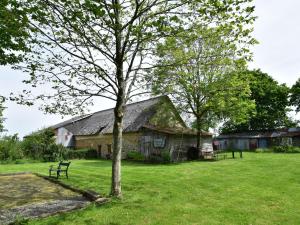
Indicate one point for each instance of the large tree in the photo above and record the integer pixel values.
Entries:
(100, 48)
(200, 74)
(295, 95)
(272, 101)
(13, 32)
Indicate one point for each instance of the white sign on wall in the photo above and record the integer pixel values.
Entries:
(159, 142)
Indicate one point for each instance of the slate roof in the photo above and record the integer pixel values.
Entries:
(136, 116)
(285, 132)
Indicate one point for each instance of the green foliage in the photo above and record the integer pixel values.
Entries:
(286, 149)
(153, 158)
(295, 95)
(165, 155)
(86, 153)
(10, 148)
(14, 33)
(41, 145)
(279, 149)
(135, 156)
(200, 76)
(271, 101)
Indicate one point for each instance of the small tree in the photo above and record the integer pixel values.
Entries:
(201, 76)
(99, 48)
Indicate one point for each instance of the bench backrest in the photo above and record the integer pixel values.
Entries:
(65, 164)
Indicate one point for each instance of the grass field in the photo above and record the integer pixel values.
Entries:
(258, 189)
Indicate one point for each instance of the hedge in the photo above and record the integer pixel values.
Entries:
(86, 153)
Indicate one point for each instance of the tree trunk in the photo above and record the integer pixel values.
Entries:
(117, 147)
(119, 108)
(198, 136)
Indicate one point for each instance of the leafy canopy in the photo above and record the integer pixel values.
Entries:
(271, 101)
(200, 77)
(14, 32)
(91, 48)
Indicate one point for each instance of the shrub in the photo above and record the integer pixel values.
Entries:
(166, 156)
(279, 149)
(286, 149)
(41, 145)
(86, 153)
(155, 159)
(55, 152)
(10, 148)
(136, 156)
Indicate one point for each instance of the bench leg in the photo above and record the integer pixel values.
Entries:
(57, 174)
(67, 175)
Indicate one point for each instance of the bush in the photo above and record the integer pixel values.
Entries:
(10, 148)
(86, 153)
(155, 159)
(163, 157)
(41, 146)
(136, 156)
(55, 152)
(286, 149)
(166, 156)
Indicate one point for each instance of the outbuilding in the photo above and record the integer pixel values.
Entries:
(150, 127)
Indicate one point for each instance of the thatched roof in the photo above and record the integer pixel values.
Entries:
(136, 116)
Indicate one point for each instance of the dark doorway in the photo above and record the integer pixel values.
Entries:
(99, 149)
(192, 153)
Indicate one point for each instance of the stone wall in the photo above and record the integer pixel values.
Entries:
(147, 142)
(103, 143)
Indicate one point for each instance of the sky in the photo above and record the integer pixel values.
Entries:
(278, 54)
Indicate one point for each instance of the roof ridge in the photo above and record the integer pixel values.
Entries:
(130, 104)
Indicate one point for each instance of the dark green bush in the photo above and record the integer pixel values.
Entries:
(166, 156)
(86, 153)
(55, 152)
(10, 148)
(41, 146)
(136, 156)
(286, 149)
(155, 159)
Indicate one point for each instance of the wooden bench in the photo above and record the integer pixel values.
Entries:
(62, 168)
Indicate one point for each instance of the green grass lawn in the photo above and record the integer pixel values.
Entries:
(258, 189)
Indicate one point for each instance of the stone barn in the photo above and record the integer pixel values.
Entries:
(150, 127)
